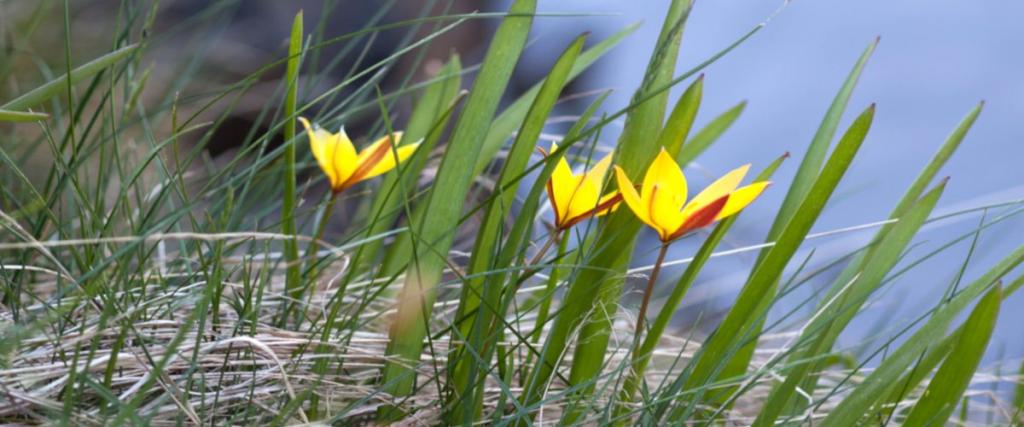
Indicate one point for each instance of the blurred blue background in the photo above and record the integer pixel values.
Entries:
(936, 60)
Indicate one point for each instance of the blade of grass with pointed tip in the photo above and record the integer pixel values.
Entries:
(870, 390)
(809, 382)
(807, 173)
(56, 86)
(21, 116)
(466, 400)
(810, 166)
(896, 392)
(433, 233)
(513, 115)
(428, 118)
(943, 393)
(832, 317)
(709, 134)
(1018, 394)
(399, 254)
(288, 228)
(743, 318)
(601, 292)
(680, 121)
(915, 190)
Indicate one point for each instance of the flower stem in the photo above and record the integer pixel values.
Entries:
(321, 227)
(555, 237)
(647, 294)
(634, 376)
(531, 267)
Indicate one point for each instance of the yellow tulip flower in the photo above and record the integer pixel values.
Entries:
(576, 197)
(662, 204)
(344, 168)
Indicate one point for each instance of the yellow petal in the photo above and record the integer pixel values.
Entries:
(666, 211)
(666, 174)
(326, 150)
(742, 197)
(630, 196)
(724, 185)
(562, 186)
(343, 157)
(584, 199)
(318, 140)
(597, 173)
(562, 173)
(388, 161)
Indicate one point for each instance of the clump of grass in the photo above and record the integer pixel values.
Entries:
(146, 282)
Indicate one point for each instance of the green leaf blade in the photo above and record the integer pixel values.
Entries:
(872, 388)
(479, 317)
(22, 116)
(943, 393)
(743, 318)
(56, 86)
(433, 232)
(836, 312)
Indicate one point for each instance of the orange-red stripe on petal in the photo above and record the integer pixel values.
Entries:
(701, 218)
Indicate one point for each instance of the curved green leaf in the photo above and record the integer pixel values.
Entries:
(432, 231)
(21, 116)
(467, 396)
(872, 388)
(54, 87)
(743, 320)
(943, 393)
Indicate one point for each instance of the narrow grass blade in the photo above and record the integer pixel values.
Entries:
(56, 86)
(637, 146)
(857, 265)
(810, 166)
(467, 382)
(836, 313)
(741, 324)
(864, 396)
(426, 123)
(21, 116)
(709, 134)
(806, 175)
(291, 247)
(513, 115)
(680, 121)
(943, 393)
(433, 233)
